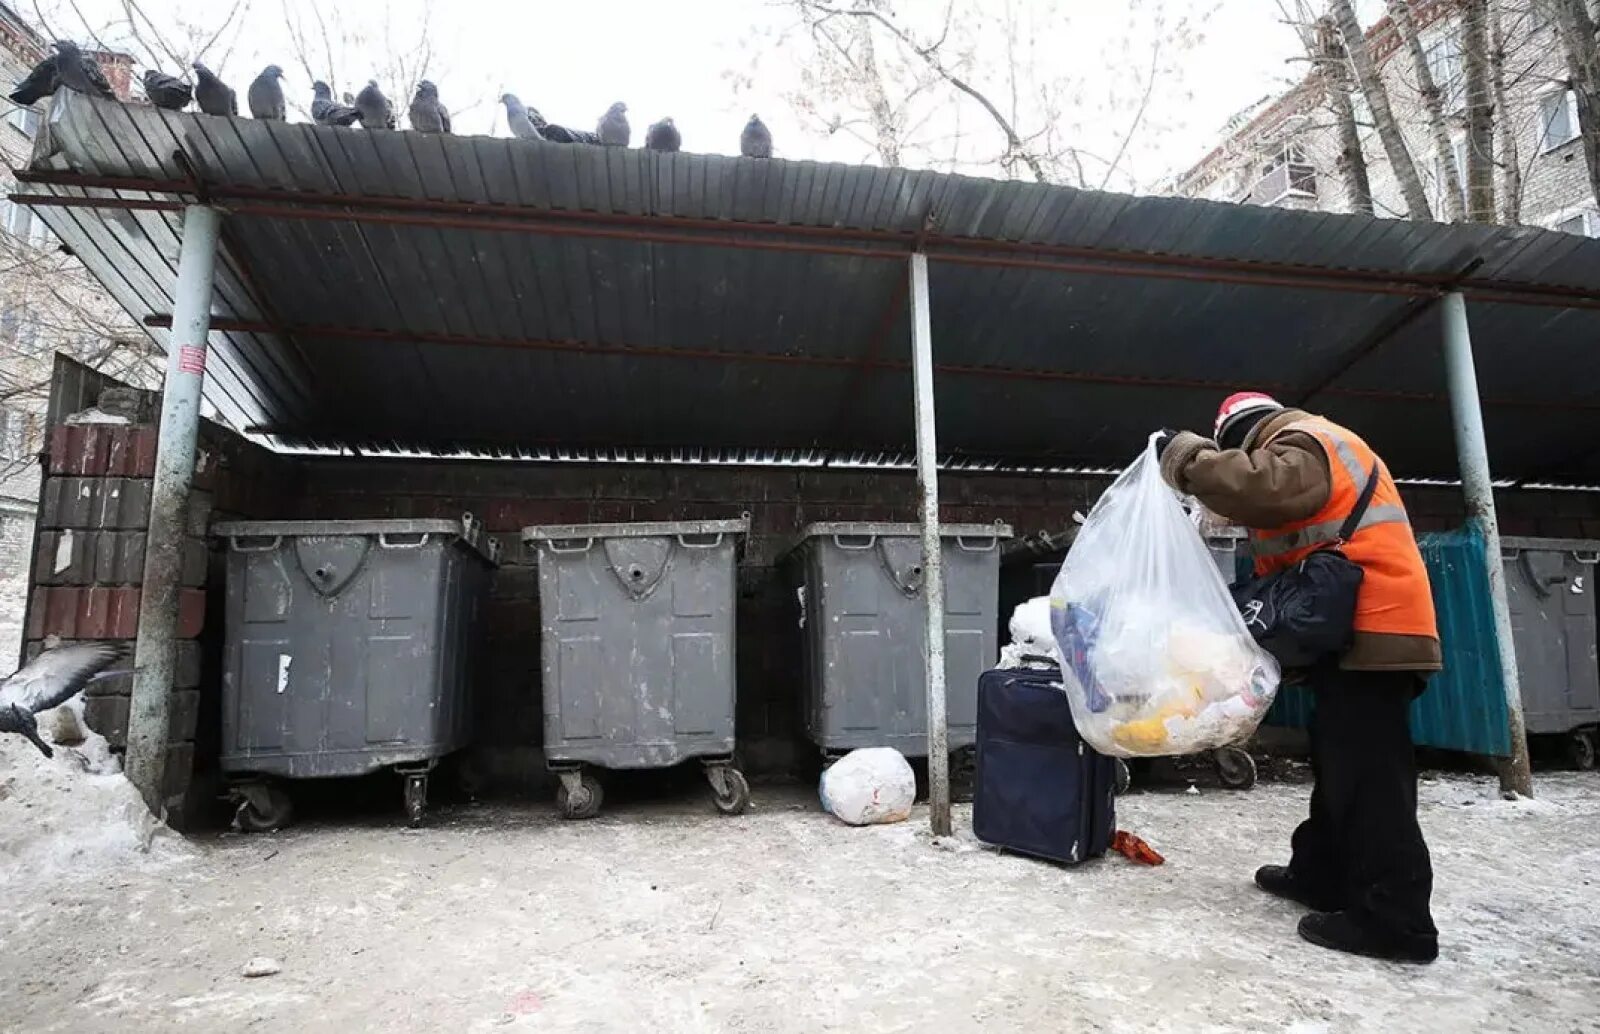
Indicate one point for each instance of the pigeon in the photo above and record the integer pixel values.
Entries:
(376, 111)
(756, 140)
(518, 119)
(78, 71)
(327, 113)
(50, 680)
(40, 83)
(613, 128)
(266, 95)
(427, 114)
(214, 96)
(663, 136)
(561, 134)
(166, 91)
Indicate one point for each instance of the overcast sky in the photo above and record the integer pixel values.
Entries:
(573, 58)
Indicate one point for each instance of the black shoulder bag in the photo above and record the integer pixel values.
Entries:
(1306, 613)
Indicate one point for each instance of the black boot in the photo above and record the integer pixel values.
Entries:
(1339, 932)
(1279, 881)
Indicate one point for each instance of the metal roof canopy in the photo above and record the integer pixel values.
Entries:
(437, 293)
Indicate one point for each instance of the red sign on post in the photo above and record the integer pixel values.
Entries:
(191, 359)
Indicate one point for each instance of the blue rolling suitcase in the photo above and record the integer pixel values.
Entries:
(1039, 789)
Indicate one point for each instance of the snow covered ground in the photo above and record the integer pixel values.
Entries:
(665, 917)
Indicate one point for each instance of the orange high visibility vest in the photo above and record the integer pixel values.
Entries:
(1395, 598)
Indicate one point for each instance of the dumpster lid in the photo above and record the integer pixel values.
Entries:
(826, 529)
(467, 530)
(1523, 543)
(634, 530)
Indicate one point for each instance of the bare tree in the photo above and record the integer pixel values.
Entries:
(1508, 158)
(1480, 111)
(1577, 29)
(1433, 104)
(1389, 133)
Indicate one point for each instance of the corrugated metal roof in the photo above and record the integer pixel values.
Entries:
(402, 291)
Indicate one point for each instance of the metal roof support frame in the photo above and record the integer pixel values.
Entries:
(155, 649)
(932, 546)
(1516, 775)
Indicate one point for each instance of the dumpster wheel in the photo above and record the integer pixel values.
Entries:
(1581, 750)
(416, 798)
(730, 792)
(1235, 767)
(578, 795)
(262, 808)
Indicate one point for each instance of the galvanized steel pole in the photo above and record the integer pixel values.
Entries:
(1473, 453)
(155, 650)
(932, 547)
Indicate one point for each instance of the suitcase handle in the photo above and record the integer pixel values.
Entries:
(237, 543)
(1036, 658)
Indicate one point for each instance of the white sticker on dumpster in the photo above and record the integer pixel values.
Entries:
(283, 671)
(63, 552)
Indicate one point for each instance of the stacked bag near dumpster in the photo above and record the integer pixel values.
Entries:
(1157, 659)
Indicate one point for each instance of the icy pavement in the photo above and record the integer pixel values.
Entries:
(656, 918)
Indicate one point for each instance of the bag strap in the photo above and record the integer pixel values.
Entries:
(1352, 523)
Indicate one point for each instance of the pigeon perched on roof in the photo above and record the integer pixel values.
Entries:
(50, 680)
(78, 71)
(325, 112)
(518, 119)
(214, 96)
(756, 140)
(613, 129)
(40, 83)
(265, 95)
(663, 136)
(167, 91)
(427, 114)
(376, 111)
(561, 134)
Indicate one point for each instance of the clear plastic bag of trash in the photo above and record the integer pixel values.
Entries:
(869, 786)
(1157, 660)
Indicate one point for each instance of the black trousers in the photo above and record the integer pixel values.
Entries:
(1361, 850)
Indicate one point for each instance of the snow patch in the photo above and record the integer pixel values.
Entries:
(75, 813)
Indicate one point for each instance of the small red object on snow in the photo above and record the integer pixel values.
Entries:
(1135, 849)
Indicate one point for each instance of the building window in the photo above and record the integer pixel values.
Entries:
(17, 220)
(26, 120)
(1558, 119)
(1444, 61)
(15, 434)
(1580, 222)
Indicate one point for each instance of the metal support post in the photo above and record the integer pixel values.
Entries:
(932, 547)
(155, 650)
(1467, 417)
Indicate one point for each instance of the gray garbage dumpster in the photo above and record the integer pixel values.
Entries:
(1550, 586)
(637, 653)
(862, 611)
(349, 649)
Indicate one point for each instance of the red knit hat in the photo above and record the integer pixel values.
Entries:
(1240, 404)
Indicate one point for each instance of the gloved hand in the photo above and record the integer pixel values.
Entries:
(1163, 439)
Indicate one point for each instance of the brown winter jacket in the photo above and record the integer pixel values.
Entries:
(1265, 488)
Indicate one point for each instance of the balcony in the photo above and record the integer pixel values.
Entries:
(1288, 181)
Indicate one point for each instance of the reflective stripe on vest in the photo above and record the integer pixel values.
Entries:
(1326, 532)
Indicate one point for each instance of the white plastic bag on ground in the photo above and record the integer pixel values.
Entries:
(1031, 637)
(1157, 658)
(868, 786)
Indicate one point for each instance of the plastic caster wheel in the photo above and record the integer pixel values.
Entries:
(416, 799)
(736, 799)
(1581, 751)
(1124, 777)
(263, 809)
(580, 803)
(1235, 767)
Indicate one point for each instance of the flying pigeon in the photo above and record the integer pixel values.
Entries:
(376, 111)
(266, 95)
(40, 83)
(78, 71)
(613, 128)
(166, 91)
(561, 134)
(214, 96)
(756, 140)
(50, 680)
(427, 114)
(518, 119)
(663, 136)
(325, 112)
